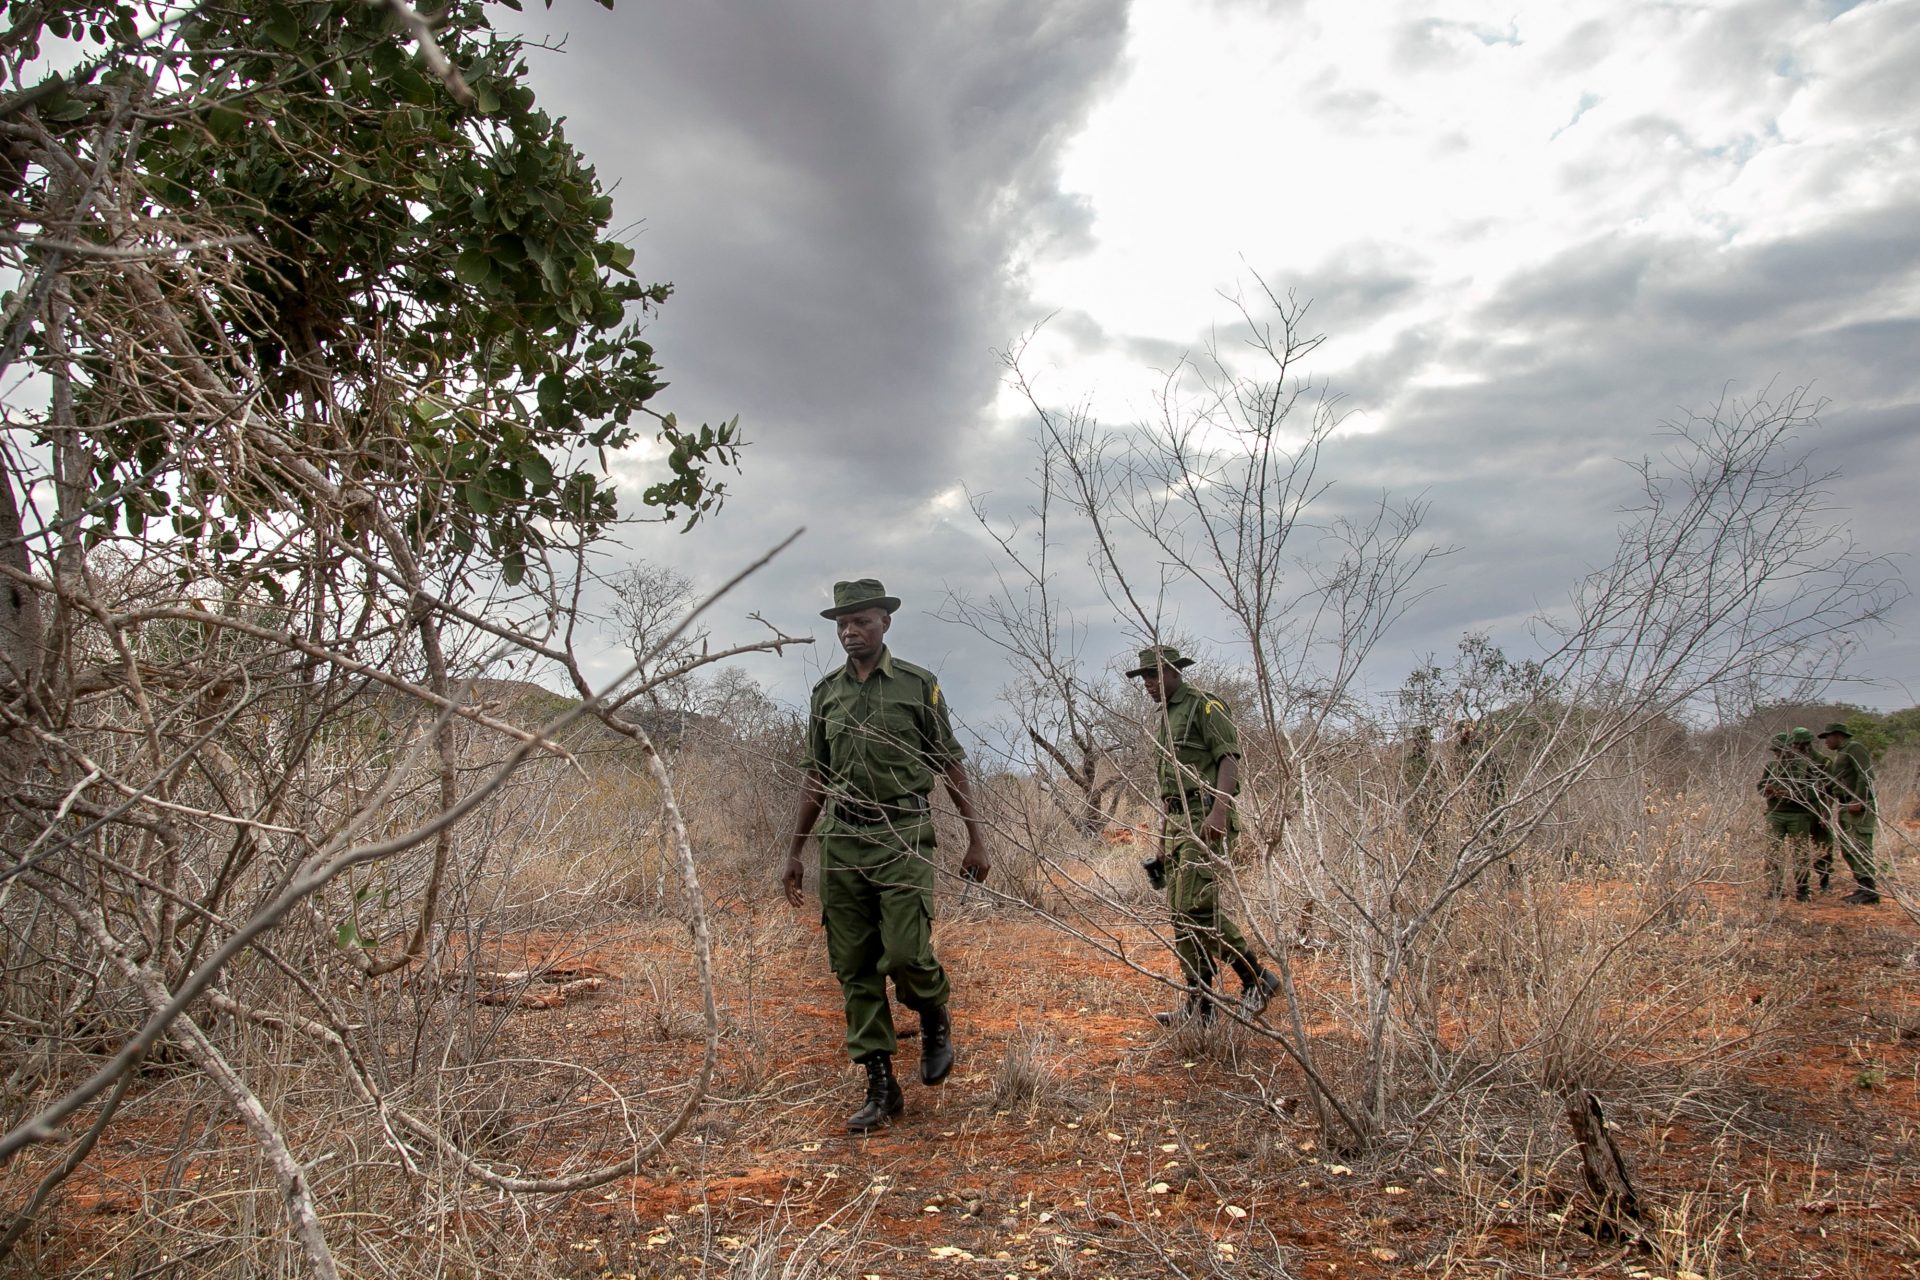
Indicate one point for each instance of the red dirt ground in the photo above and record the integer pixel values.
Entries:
(1078, 1139)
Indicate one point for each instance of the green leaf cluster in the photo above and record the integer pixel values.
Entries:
(86, 23)
(1881, 733)
(436, 298)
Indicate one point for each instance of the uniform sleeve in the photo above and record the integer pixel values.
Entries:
(1855, 774)
(816, 737)
(942, 747)
(1215, 729)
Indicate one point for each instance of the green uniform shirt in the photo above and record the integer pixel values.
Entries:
(1850, 774)
(1195, 735)
(881, 739)
(1792, 783)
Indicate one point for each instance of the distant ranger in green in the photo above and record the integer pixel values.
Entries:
(1849, 787)
(1791, 785)
(1199, 777)
(878, 736)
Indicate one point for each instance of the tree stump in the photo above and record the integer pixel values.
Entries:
(1604, 1168)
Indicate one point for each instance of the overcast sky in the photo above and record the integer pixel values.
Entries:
(1530, 231)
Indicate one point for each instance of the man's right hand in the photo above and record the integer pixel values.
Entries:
(795, 877)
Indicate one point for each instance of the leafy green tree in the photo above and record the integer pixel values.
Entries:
(1869, 730)
(428, 291)
(1894, 729)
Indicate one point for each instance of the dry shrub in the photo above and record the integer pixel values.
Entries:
(1027, 1076)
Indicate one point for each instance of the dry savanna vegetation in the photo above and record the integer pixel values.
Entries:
(1755, 1059)
(348, 928)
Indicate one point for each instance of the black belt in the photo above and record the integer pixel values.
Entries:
(1192, 801)
(861, 813)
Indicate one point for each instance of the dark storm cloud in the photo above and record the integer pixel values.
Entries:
(837, 193)
(1877, 453)
(1799, 281)
(1359, 287)
(1583, 359)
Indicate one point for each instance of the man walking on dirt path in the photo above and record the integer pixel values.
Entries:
(878, 736)
(1849, 785)
(1199, 776)
(1792, 785)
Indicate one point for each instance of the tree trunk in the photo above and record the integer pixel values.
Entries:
(1604, 1168)
(20, 628)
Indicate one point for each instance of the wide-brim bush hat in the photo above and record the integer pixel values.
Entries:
(1156, 656)
(1836, 727)
(858, 594)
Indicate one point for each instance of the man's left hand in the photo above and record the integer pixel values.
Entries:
(976, 864)
(1215, 827)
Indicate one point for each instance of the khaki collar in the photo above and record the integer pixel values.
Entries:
(884, 667)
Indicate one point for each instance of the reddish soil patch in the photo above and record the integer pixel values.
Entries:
(1079, 1139)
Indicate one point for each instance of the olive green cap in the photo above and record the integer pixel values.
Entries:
(1837, 727)
(1801, 735)
(1156, 656)
(860, 593)
(1781, 739)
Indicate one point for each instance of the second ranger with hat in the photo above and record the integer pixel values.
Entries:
(1199, 771)
(1849, 787)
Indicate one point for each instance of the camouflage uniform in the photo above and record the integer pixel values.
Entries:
(1791, 785)
(878, 746)
(1195, 735)
(1849, 781)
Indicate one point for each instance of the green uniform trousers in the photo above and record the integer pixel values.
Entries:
(1854, 832)
(1203, 936)
(876, 900)
(1794, 830)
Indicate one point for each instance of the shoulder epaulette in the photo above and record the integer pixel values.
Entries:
(915, 670)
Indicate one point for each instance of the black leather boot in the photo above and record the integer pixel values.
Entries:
(936, 1045)
(1197, 1008)
(1253, 1000)
(883, 1095)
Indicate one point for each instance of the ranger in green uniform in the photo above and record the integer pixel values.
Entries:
(878, 735)
(1199, 776)
(1791, 786)
(1850, 789)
